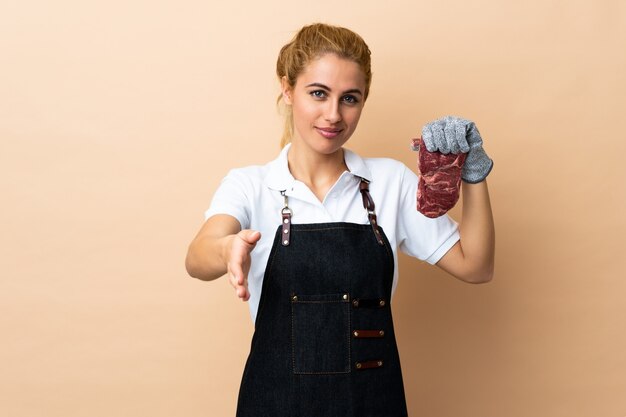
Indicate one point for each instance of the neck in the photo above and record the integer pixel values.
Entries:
(318, 171)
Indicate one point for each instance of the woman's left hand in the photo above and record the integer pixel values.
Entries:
(457, 135)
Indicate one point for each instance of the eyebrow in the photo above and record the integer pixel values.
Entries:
(322, 86)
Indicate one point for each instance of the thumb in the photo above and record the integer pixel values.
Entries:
(250, 236)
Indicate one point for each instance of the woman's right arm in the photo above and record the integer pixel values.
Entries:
(219, 248)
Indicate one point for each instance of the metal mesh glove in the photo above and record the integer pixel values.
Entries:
(456, 135)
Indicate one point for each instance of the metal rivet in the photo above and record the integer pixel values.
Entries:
(345, 296)
(358, 365)
(285, 242)
(382, 332)
(382, 303)
(380, 363)
(286, 221)
(355, 303)
(355, 333)
(294, 298)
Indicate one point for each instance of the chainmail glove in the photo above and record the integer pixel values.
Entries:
(456, 135)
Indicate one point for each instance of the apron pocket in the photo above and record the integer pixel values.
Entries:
(320, 333)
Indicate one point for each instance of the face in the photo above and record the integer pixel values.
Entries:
(326, 103)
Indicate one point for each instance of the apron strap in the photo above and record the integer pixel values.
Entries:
(286, 221)
(368, 203)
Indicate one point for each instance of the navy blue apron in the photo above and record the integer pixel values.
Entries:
(324, 343)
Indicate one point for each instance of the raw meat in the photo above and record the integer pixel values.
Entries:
(439, 184)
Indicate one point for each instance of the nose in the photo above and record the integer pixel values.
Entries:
(332, 112)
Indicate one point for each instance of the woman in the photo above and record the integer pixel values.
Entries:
(319, 289)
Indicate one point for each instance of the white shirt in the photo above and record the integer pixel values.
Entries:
(252, 196)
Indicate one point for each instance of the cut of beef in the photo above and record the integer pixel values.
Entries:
(439, 184)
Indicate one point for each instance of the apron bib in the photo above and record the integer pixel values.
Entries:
(324, 343)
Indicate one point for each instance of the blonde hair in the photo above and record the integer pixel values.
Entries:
(312, 42)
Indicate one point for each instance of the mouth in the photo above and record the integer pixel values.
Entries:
(329, 132)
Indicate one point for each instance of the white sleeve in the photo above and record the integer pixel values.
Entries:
(420, 236)
(231, 198)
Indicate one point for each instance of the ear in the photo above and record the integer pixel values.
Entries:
(286, 90)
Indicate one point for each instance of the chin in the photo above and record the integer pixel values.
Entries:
(329, 149)
(329, 146)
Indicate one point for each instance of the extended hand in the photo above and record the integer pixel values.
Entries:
(456, 135)
(239, 261)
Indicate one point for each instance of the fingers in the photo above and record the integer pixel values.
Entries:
(449, 134)
(449, 131)
(439, 138)
(238, 281)
(236, 271)
(239, 262)
(250, 236)
(435, 137)
(427, 135)
(461, 138)
(242, 292)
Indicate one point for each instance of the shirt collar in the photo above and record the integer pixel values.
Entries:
(279, 177)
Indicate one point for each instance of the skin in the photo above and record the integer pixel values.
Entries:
(327, 101)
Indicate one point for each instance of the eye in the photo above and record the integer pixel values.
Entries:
(350, 99)
(318, 94)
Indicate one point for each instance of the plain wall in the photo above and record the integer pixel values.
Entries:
(118, 119)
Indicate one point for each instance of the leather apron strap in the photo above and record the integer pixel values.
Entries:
(368, 204)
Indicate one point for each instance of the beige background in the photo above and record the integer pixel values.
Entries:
(119, 118)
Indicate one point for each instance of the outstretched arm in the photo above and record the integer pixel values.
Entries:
(219, 248)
